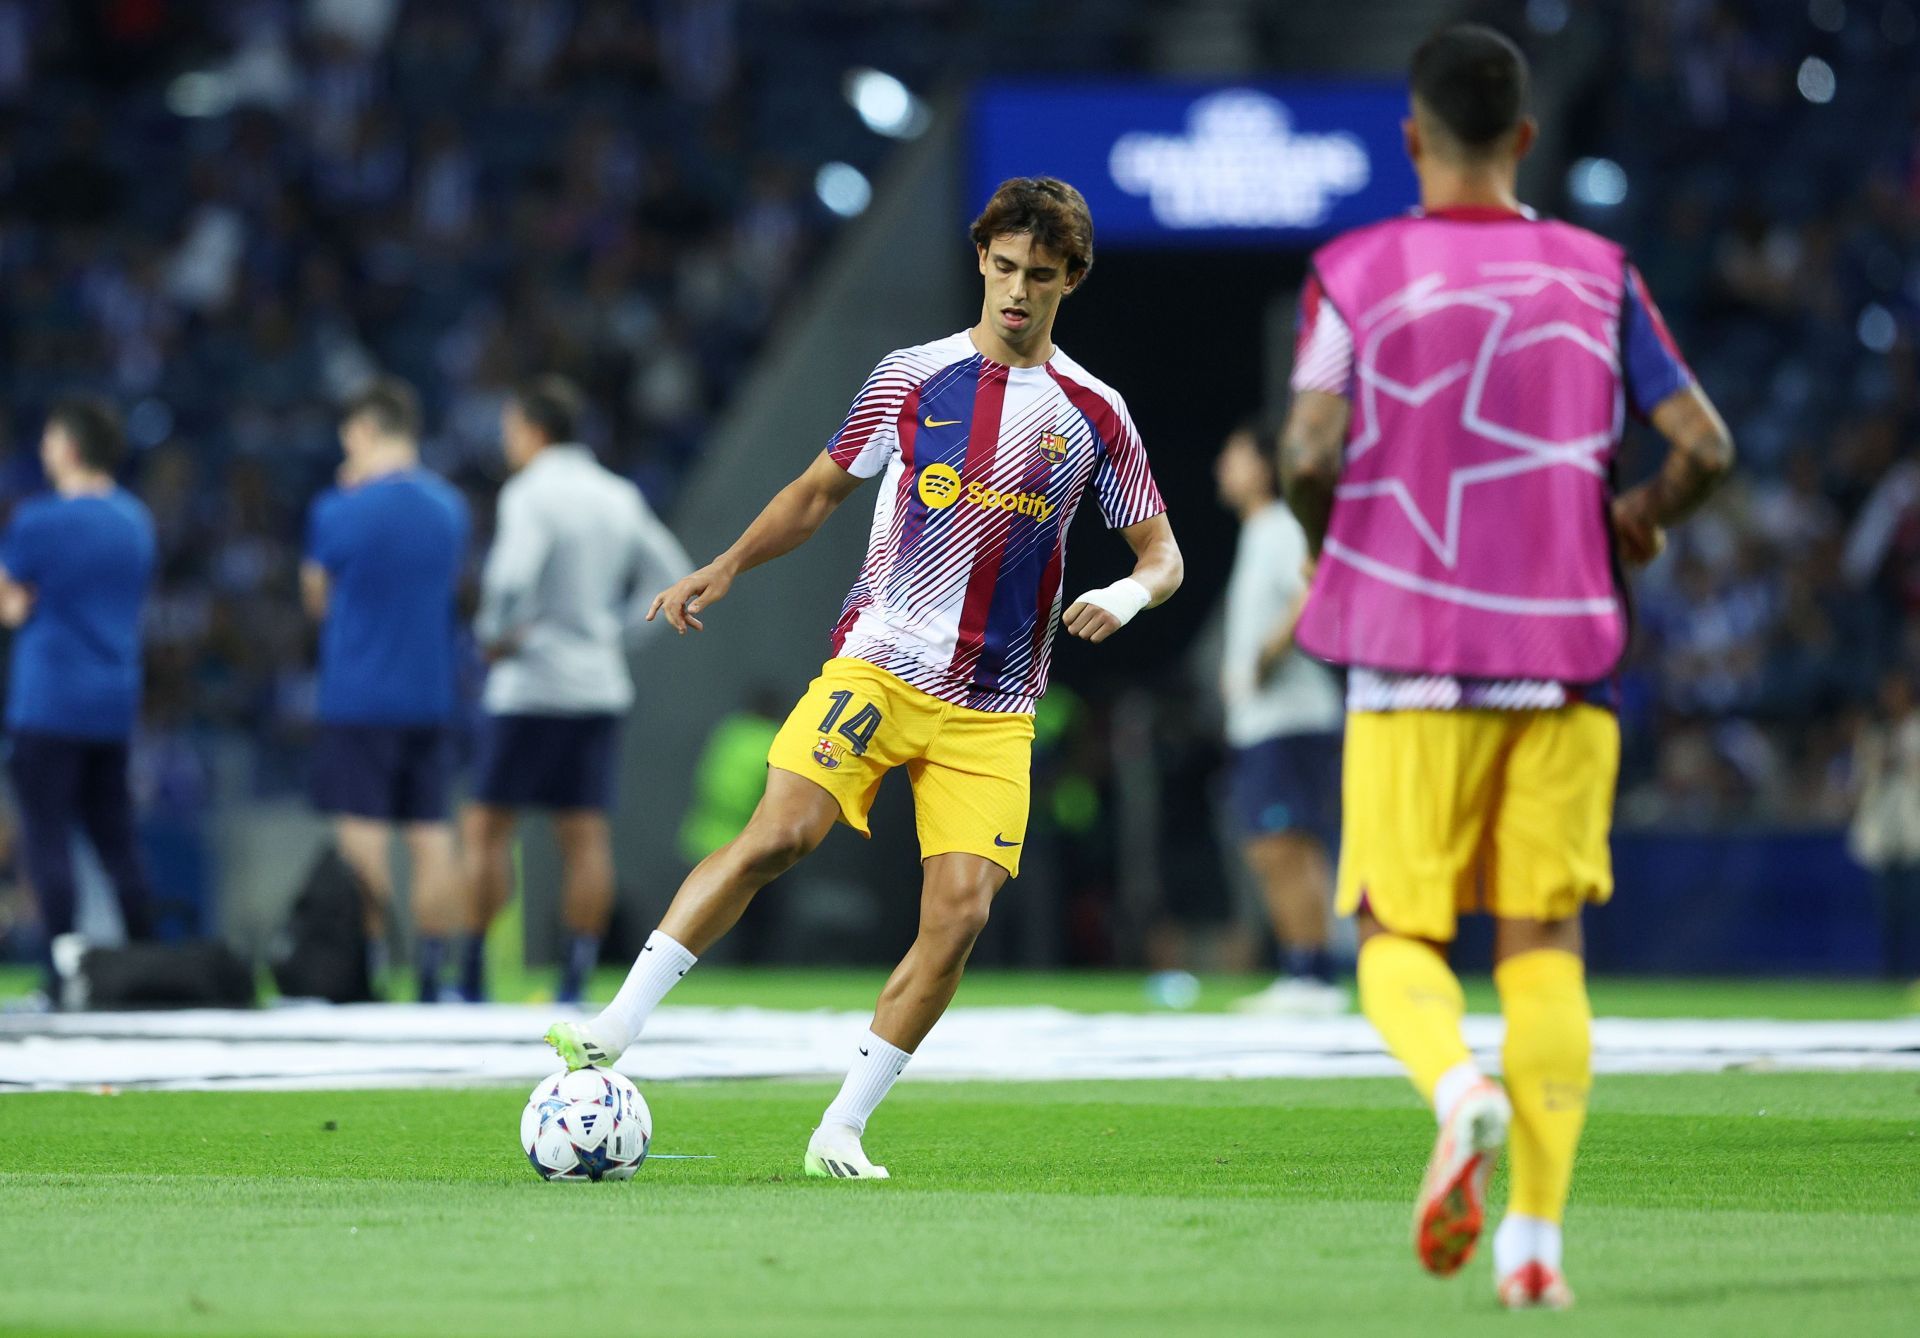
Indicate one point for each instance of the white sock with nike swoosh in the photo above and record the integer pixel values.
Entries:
(658, 969)
(873, 1073)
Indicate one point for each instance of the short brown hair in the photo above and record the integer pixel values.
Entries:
(1474, 81)
(552, 404)
(94, 429)
(392, 405)
(1053, 213)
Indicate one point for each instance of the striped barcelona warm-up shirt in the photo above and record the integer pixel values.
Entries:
(984, 466)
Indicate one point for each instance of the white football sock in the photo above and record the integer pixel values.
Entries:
(867, 1084)
(658, 969)
(1522, 1240)
(1547, 1243)
(1453, 1085)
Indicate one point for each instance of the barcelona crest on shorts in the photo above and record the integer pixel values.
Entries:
(829, 753)
(1053, 447)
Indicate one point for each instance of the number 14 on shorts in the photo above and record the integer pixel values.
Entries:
(857, 731)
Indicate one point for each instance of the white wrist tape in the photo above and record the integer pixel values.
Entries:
(1123, 599)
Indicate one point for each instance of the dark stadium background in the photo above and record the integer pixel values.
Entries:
(1175, 330)
(637, 194)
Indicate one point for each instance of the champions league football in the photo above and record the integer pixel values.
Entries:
(590, 1124)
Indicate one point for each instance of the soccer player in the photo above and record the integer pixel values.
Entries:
(564, 594)
(1459, 392)
(1283, 724)
(986, 441)
(74, 571)
(384, 554)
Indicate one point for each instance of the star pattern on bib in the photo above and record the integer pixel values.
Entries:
(1493, 450)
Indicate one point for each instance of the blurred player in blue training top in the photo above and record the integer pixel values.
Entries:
(575, 555)
(76, 566)
(384, 554)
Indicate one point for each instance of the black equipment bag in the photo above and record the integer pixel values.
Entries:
(166, 975)
(323, 953)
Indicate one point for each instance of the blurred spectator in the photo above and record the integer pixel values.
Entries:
(74, 570)
(1886, 828)
(577, 559)
(381, 576)
(1283, 722)
(1884, 543)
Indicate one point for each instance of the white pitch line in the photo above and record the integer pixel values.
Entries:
(399, 1045)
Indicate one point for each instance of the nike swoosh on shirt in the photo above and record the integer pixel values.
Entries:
(1003, 842)
(930, 421)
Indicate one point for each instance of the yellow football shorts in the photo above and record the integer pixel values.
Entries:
(1504, 812)
(972, 771)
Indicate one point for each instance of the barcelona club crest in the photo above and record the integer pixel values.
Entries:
(828, 753)
(1053, 447)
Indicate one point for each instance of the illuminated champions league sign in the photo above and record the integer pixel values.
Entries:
(1230, 165)
(1239, 163)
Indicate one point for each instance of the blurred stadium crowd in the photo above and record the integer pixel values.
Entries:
(227, 216)
(1762, 161)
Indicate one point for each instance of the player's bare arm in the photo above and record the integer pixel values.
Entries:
(1700, 456)
(1310, 450)
(314, 590)
(16, 601)
(1158, 569)
(785, 523)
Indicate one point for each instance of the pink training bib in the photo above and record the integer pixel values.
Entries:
(1470, 531)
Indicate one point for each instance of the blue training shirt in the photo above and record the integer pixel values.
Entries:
(76, 660)
(392, 549)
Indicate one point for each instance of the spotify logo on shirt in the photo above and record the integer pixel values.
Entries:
(940, 488)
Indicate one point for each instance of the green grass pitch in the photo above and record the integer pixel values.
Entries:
(1125, 992)
(1737, 1204)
